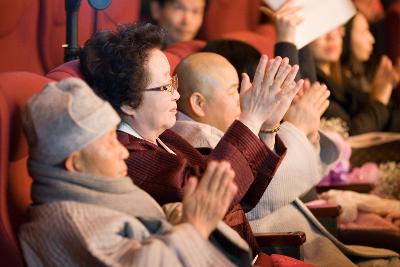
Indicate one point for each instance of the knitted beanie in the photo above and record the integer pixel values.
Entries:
(64, 117)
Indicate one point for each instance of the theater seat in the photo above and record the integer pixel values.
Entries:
(15, 183)
(263, 44)
(178, 51)
(225, 16)
(19, 30)
(392, 25)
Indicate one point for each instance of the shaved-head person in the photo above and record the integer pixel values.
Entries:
(209, 103)
(208, 85)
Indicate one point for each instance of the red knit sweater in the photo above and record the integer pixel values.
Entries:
(163, 175)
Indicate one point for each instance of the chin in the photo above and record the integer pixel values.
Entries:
(171, 123)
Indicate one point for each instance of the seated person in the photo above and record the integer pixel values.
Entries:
(87, 212)
(362, 112)
(210, 102)
(181, 19)
(127, 68)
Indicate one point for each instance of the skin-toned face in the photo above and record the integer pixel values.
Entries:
(157, 112)
(328, 48)
(181, 18)
(103, 157)
(213, 83)
(361, 38)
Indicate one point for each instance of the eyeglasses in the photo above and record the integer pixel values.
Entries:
(170, 88)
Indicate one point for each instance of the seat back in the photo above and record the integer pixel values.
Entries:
(15, 183)
(19, 31)
(392, 25)
(224, 16)
(178, 51)
(263, 44)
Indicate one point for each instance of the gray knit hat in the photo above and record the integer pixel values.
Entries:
(64, 117)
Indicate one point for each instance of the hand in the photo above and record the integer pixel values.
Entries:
(384, 80)
(394, 218)
(206, 202)
(306, 112)
(286, 19)
(267, 99)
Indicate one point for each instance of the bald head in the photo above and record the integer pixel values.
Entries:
(204, 73)
(208, 84)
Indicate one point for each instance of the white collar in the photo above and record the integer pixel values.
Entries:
(126, 128)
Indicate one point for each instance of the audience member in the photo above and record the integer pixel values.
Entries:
(361, 112)
(181, 19)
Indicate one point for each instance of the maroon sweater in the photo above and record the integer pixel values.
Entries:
(163, 175)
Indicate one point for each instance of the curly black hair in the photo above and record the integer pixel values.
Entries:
(114, 62)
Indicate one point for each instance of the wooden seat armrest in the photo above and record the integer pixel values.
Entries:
(295, 239)
(326, 210)
(356, 187)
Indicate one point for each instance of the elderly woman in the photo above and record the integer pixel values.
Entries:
(127, 68)
(87, 212)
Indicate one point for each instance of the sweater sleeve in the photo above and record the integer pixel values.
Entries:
(102, 237)
(302, 57)
(253, 162)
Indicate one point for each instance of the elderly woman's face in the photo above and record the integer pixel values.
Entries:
(158, 108)
(103, 157)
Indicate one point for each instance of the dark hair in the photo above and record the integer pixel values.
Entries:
(346, 57)
(241, 55)
(114, 62)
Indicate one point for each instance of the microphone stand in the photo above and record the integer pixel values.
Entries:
(71, 48)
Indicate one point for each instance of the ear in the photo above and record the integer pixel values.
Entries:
(128, 110)
(155, 10)
(197, 103)
(73, 162)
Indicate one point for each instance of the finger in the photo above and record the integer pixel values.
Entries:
(323, 108)
(208, 174)
(245, 84)
(314, 94)
(280, 77)
(229, 194)
(269, 75)
(218, 177)
(190, 186)
(297, 21)
(291, 76)
(260, 71)
(293, 10)
(229, 175)
(268, 12)
(292, 90)
(306, 85)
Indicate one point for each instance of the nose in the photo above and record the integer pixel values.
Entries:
(176, 95)
(187, 17)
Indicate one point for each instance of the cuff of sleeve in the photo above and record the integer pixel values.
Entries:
(254, 150)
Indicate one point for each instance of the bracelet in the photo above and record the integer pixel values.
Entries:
(276, 128)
